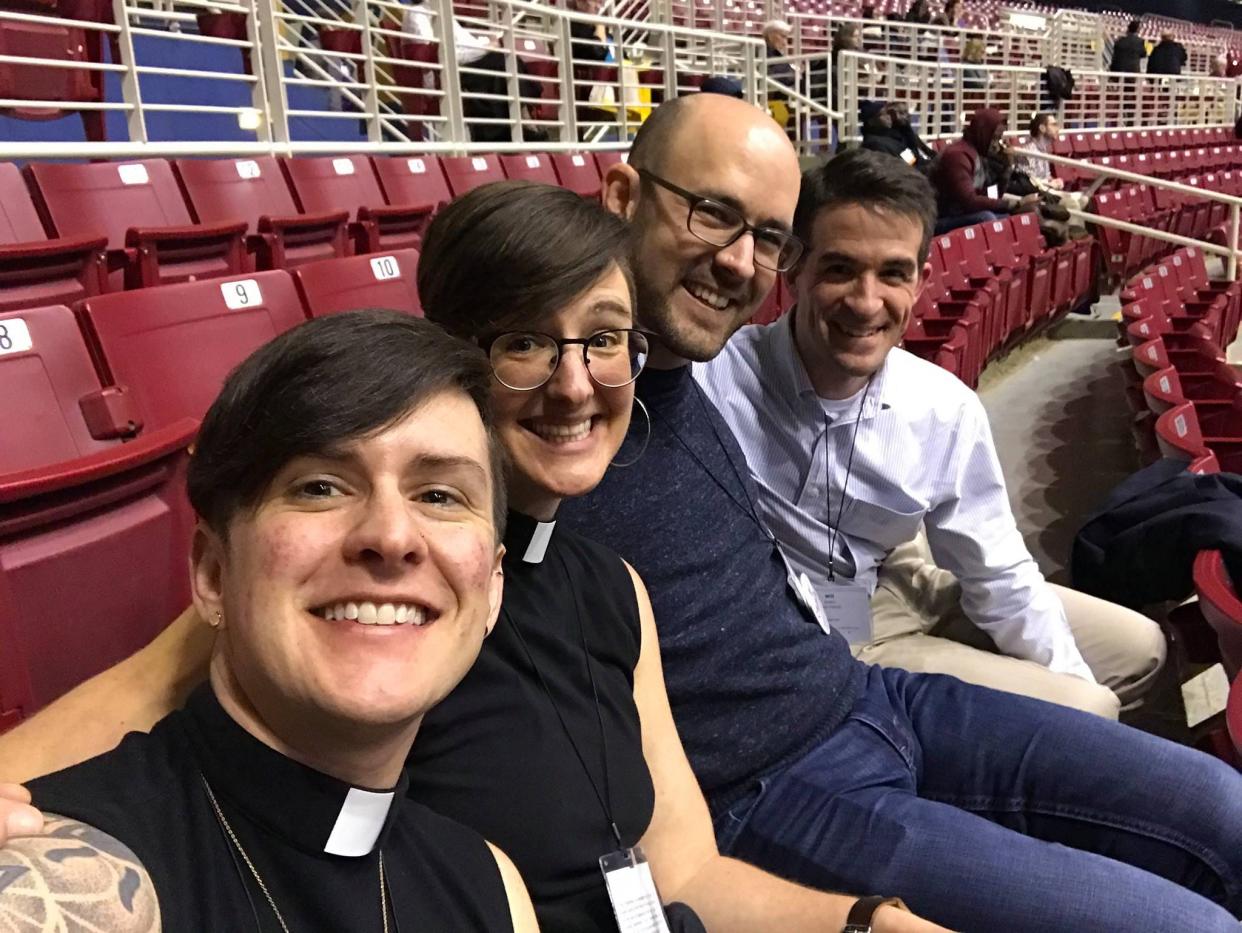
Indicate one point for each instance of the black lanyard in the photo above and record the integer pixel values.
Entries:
(605, 799)
(747, 508)
(834, 530)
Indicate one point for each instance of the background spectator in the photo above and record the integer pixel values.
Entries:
(973, 53)
(588, 36)
(776, 33)
(951, 15)
(1167, 58)
(886, 128)
(1130, 50)
(964, 195)
(918, 12)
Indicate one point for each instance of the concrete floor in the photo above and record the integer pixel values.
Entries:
(1062, 431)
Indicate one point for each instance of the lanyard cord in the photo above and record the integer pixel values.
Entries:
(834, 530)
(748, 508)
(605, 799)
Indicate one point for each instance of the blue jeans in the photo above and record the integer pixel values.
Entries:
(993, 812)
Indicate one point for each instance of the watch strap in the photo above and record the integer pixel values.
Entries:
(859, 918)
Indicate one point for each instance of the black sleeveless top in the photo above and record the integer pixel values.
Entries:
(149, 794)
(494, 754)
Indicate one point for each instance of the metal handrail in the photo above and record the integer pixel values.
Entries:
(1107, 171)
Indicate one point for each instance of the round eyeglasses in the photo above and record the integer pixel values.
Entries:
(525, 360)
(722, 225)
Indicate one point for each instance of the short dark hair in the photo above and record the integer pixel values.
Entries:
(1038, 122)
(321, 385)
(508, 253)
(874, 180)
(1135, 26)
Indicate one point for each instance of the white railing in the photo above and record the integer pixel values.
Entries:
(918, 42)
(547, 78)
(808, 102)
(1230, 251)
(942, 95)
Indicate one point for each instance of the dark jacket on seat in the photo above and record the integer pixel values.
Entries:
(1139, 547)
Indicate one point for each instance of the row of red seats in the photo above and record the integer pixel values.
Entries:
(1187, 401)
(101, 407)
(69, 231)
(993, 284)
(1164, 210)
(1091, 144)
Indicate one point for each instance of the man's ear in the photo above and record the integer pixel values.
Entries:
(924, 275)
(207, 560)
(495, 591)
(620, 191)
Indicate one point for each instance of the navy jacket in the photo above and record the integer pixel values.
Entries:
(1138, 548)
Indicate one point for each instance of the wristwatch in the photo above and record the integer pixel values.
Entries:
(859, 918)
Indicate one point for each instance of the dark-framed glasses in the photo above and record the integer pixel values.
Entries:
(721, 225)
(525, 360)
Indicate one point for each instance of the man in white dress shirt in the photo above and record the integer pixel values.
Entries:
(858, 447)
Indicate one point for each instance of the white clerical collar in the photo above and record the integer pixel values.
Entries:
(538, 545)
(359, 822)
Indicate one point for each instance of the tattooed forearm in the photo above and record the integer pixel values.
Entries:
(74, 878)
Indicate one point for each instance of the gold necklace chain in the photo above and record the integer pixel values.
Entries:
(259, 878)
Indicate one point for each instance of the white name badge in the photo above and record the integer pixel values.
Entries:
(908, 157)
(847, 607)
(632, 891)
(804, 592)
(993, 192)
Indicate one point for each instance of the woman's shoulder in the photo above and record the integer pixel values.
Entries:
(445, 858)
(140, 769)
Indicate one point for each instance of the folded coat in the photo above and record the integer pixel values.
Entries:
(1139, 547)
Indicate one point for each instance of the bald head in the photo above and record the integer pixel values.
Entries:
(703, 119)
(700, 164)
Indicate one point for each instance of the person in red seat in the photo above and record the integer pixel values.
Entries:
(348, 555)
(959, 175)
(559, 743)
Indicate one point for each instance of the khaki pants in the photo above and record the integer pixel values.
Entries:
(919, 626)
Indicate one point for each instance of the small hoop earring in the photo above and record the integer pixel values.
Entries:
(219, 618)
(646, 438)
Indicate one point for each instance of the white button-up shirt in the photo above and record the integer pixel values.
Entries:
(924, 455)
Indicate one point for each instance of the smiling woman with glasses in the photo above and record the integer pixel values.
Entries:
(722, 225)
(526, 360)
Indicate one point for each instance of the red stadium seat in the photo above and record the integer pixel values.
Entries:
(970, 249)
(255, 190)
(349, 183)
(607, 158)
(1034, 269)
(152, 239)
(1233, 717)
(56, 409)
(1189, 358)
(531, 167)
(173, 346)
(34, 82)
(1207, 391)
(1220, 605)
(373, 281)
(33, 269)
(1182, 435)
(578, 172)
(92, 564)
(465, 173)
(413, 185)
